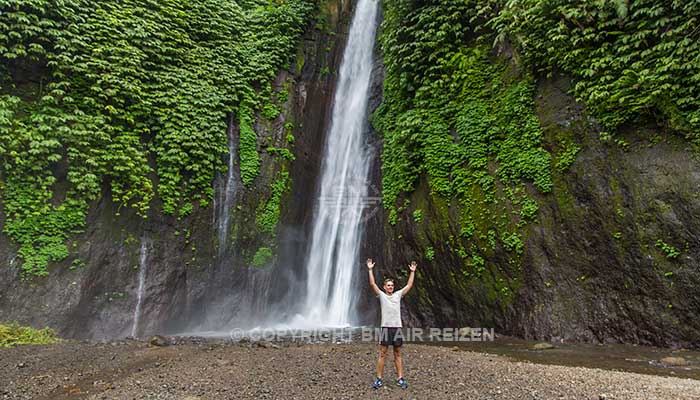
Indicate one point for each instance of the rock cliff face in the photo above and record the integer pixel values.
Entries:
(190, 283)
(613, 254)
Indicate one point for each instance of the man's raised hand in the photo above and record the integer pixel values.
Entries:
(370, 263)
(372, 283)
(412, 266)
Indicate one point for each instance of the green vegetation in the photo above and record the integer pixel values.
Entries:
(248, 149)
(77, 263)
(513, 244)
(262, 257)
(454, 113)
(13, 334)
(270, 111)
(567, 157)
(269, 212)
(133, 94)
(133, 99)
(670, 251)
(458, 108)
(418, 216)
(282, 152)
(628, 59)
(429, 253)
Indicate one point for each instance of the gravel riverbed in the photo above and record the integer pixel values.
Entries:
(198, 369)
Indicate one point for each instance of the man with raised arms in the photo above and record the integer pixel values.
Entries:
(390, 302)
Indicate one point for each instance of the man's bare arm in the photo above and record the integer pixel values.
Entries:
(411, 277)
(370, 265)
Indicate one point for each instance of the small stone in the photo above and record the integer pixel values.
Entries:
(158, 341)
(674, 361)
(543, 346)
(465, 331)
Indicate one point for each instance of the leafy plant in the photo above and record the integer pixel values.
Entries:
(269, 212)
(671, 252)
(418, 215)
(429, 253)
(12, 334)
(262, 257)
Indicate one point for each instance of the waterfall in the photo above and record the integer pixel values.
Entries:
(143, 266)
(337, 227)
(223, 208)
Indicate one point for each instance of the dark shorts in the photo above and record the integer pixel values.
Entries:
(391, 337)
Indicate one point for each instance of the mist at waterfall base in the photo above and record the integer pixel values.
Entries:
(325, 294)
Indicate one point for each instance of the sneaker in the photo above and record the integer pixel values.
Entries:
(402, 382)
(378, 383)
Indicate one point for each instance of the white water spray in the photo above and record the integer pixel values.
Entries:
(334, 251)
(143, 266)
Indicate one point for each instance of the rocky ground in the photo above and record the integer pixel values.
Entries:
(197, 369)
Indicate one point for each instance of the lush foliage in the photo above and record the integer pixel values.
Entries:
(629, 58)
(465, 120)
(268, 212)
(13, 334)
(248, 149)
(458, 107)
(134, 94)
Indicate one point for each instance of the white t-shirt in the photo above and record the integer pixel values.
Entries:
(391, 308)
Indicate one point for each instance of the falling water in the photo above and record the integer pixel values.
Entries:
(227, 196)
(143, 266)
(334, 251)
